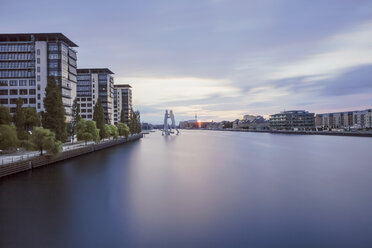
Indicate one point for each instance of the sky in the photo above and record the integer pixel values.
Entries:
(218, 59)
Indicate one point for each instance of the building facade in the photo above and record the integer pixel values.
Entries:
(292, 120)
(351, 119)
(94, 83)
(26, 62)
(124, 102)
(117, 105)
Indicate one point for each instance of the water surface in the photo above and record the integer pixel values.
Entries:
(199, 189)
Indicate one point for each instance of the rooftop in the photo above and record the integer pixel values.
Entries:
(37, 37)
(95, 70)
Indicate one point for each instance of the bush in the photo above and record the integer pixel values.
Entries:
(8, 137)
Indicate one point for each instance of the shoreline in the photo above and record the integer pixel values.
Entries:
(350, 134)
(39, 161)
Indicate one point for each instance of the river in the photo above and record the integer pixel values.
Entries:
(198, 189)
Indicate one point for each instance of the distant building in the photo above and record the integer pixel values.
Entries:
(292, 120)
(94, 83)
(26, 61)
(124, 101)
(350, 119)
(251, 122)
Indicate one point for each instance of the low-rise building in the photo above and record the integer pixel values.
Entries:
(292, 120)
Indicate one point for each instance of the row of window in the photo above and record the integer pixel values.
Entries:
(16, 65)
(86, 110)
(18, 92)
(86, 116)
(83, 99)
(14, 101)
(16, 48)
(17, 56)
(83, 77)
(84, 105)
(17, 74)
(15, 82)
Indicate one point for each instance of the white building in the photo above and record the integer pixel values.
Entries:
(26, 61)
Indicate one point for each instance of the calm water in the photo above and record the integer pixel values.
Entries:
(200, 189)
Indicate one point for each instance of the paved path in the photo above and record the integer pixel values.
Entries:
(23, 154)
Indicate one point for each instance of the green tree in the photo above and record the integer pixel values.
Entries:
(8, 137)
(32, 118)
(135, 122)
(87, 131)
(43, 139)
(113, 131)
(5, 117)
(107, 131)
(123, 129)
(99, 118)
(54, 116)
(75, 119)
(19, 120)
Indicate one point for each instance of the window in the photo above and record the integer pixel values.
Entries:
(90, 116)
(83, 116)
(23, 92)
(24, 100)
(13, 83)
(4, 92)
(38, 51)
(38, 105)
(83, 111)
(38, 96)
(32, 92)
(38, 60)
(3, 82)
(38, 87)
(38, 69)
(22, 82)
(89, 110)
(13, 92)
(3, 101)
(13, 101)
(32, 100)
(31, 83)
(83, 105)
(38, 78)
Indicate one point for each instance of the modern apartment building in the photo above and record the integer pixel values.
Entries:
(26, 61)
(350, 119)
(292, 120)
(117, 105)
(91, 84)
(124, 101)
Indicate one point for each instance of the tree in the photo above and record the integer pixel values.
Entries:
(87, 131)
(19, 120)
(32, 118)
(122, 116)
(123, 129)
(8, 137)
(75, 112)
(135, 122)
(99, 118)
(107, 131)
(54, 116)
(5, 117)
(112, 131)
(43, 139)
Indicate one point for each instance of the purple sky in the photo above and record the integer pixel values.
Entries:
(221, 59)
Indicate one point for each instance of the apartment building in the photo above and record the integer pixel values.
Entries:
(124, 101)
(350, 119)
(26, 62)
(292, 120)
(117, 105)
(94, 83)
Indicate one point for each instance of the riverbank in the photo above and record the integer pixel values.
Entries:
(34, 162)
(356, 134)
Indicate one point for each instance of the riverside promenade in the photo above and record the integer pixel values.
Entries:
(30, 161)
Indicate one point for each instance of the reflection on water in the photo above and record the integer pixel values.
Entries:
(199, 189)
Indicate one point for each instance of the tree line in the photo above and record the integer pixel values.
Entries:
(47, 130)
